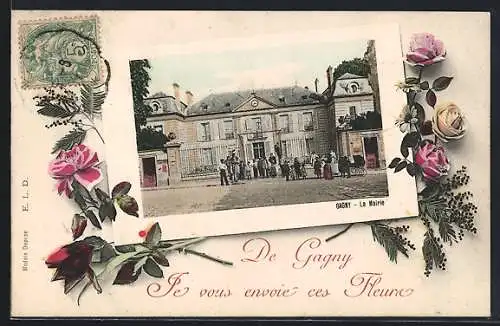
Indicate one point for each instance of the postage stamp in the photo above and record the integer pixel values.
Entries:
(59, 52)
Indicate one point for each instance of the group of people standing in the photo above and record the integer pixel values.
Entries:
(232, 169)
(235, 169)
(330, 166)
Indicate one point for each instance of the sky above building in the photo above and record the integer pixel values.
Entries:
(263, 67)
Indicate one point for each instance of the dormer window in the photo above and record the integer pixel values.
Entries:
(282, 99)
(228, 104)
(353, 87)
(155, 106)
(204, 106)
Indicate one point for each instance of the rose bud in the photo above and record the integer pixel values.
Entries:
(72, 262)
(433, 161)
(78, 226)
(425, 50)
(128, 205)
(448, 122)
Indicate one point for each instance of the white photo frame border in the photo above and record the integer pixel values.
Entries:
(119, 126)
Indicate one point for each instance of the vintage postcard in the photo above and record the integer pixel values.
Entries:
(273, 129)
(250, 164)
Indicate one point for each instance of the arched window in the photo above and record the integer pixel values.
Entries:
(353, 87)
(156, 106)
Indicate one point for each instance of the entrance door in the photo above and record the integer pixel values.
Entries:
(371, 152)
(258, 150)
(149, 172)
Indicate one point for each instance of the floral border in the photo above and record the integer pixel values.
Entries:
(77, 174)
(446, 211)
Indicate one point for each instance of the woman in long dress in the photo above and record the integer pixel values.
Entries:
(335, 163)
(327, 169)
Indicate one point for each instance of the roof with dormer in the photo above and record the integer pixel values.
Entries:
(231, 101)
(163, 103)
(348, 75)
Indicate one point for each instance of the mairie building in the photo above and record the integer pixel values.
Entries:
(253, 124)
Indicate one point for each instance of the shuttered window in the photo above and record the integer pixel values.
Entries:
(228, 129)
(307, 118)
(204, 132)
(284, 123)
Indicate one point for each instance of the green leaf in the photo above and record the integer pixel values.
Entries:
(404, 150)
(121, 189)
(92, 99)
(411, 169)
(441, 83)
(120, 259)
(107, 252)
(103, 254)
(401, 165)
(154, 235)
(127, 274)
(79, 200)
(85, 194)
(394, 162)
(152, 268)
(74, 137)
(102, 250)
(431, 191)
(101, 195)
(431, 98)
(424, 85)
(161, 259)
(431, 250)
(128, 204)
(95, 241)
(52, 110)
(410, 139)
(389, 240)
(92, 218)
(125, 248)
(446, 230)
(107, 210)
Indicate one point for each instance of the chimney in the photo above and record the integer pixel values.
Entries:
(176, 89)
(316, 81)
(329, 78)
(189, 98)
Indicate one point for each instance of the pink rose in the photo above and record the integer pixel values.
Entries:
(76, 164)
(433, 161)
(425, 50)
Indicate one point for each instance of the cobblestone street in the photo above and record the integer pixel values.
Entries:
(208, 195)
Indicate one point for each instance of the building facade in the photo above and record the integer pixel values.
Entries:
(358, 123)
(252, 124)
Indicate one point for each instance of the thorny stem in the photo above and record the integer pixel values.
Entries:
(340, 233)
(204, 255)
(182, 247)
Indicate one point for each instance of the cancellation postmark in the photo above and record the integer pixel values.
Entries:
(59, 52)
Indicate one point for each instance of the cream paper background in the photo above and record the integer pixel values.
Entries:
(462, 290)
